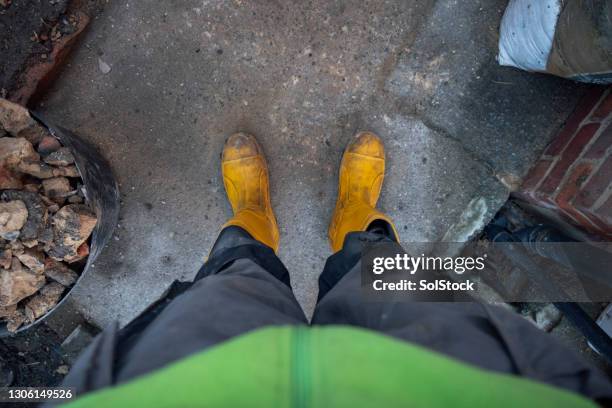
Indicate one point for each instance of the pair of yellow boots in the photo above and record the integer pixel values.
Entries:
(245, 176)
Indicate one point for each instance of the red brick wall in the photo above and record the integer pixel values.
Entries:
(573, 177)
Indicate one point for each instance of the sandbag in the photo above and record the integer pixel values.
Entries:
(567, 38)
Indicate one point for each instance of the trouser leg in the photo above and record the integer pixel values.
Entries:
(243, 286)
(479, 334)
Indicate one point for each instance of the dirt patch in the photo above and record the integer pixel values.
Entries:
(35, 40)
(32, 358)
(24, 28)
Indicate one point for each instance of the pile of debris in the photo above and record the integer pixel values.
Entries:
(45, 222)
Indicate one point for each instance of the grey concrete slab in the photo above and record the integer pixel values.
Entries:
(448, 76)
(303, 77)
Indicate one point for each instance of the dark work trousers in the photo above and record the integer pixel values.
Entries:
(244, 286)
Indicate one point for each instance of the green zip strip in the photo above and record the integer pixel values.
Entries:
(301, 373)
(330, 366)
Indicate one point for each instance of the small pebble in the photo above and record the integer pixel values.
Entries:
(63, 369)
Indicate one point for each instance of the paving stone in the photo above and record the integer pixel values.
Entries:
(303, 78)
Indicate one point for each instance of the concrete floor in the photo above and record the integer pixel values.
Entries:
(303, 76)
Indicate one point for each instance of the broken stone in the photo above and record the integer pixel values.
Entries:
(35, 307)
(37, 169)
(16, 247)
(6, 258)
(52, 291)
(18, 283)
(11, 236)
(14, 321)
(63, 369)
(60, 273)
(33, 259)
(57, 189)
(53, 208)
(16, 120)
(8, 310)
(40, 304)
(75, 199)
(14, 150)
(13, 216)
(548, 317)
(67, 171)
(62, 157)
(48, 145)
(46, 236)
(81, 190)
(82, 253)
(46, 200)
(37, 213)
(33, 188)
(9, 179)
(30, 243)
(72, 225)
(511, 181)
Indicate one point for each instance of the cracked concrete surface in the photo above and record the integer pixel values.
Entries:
(303, 76)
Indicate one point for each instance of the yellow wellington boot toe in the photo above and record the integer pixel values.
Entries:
(245, 176)
(361, 176)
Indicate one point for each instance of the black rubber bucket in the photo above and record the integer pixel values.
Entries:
(102, 194)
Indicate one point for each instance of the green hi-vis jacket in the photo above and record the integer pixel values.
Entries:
(331, 366)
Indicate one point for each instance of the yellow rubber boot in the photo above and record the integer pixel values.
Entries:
(245, 176)
(361, 177)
